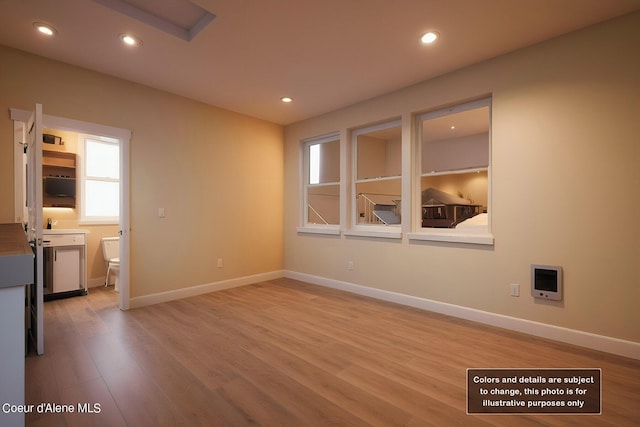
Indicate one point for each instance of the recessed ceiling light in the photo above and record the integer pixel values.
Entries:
(45, 29)
(429, 37)
(286, 99)
(130, 40)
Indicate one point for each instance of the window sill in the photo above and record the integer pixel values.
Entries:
(384, 232)
(453, 237)
(333, 231)
(98, 222)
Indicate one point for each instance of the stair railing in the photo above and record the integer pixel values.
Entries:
(316, 213)
(366, 206)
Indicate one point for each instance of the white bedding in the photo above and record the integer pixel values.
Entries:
(478, 221)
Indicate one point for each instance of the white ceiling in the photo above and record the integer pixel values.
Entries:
(326, 54)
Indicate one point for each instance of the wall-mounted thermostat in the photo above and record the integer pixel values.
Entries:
(546, 281)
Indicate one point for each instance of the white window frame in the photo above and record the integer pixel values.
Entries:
(481, 237)
(83, 218)
(305, 226)
(371, 230)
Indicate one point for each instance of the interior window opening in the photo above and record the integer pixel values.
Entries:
(378, 177)
(322, 181)
(454, 161)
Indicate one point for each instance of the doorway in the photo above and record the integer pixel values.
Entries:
(100, 132)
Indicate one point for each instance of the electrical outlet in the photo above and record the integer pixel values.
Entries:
(219, 262)
(515, 290)
(350, 265)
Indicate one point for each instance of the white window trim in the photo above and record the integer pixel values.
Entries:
(439, 235)
(480, 237)
(371, 230)
(305, 226)
(330, 229)
(411, 225)
(82, 218)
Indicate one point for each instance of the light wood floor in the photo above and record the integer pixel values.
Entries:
(286, 353)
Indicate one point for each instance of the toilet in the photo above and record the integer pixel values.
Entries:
(111, 253)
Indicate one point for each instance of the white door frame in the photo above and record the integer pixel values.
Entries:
(124, 135)
(33, 163)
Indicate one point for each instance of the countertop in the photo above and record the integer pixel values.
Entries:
(64, 231)
(16, 256)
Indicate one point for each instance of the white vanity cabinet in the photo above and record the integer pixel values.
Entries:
(66, 269)
(64, 263)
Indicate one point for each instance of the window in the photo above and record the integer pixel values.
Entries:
(377, 184)
(321, 169)
(454, 162)
(446, 181)
(100, 187)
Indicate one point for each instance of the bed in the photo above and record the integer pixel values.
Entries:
(478, 222)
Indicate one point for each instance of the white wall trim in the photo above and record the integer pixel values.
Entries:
(72, 125)
(96, 282)
(570, 336)
(144, 300)
(451, 236)
(318, 229)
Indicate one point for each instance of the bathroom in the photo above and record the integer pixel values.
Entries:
(80, 208)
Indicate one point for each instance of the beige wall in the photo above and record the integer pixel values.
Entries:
(218, 174)
(378, 157)
(467, 152)
(565, 179)
(330, 162)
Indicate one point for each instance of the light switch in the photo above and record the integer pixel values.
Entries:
(515, 290)
(161, 212)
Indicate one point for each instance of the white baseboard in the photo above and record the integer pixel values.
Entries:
(202, 289)
(570, 336)
(95, 282)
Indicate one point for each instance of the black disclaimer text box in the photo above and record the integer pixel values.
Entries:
(534, 391)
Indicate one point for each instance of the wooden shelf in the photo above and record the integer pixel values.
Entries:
(59, 159)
